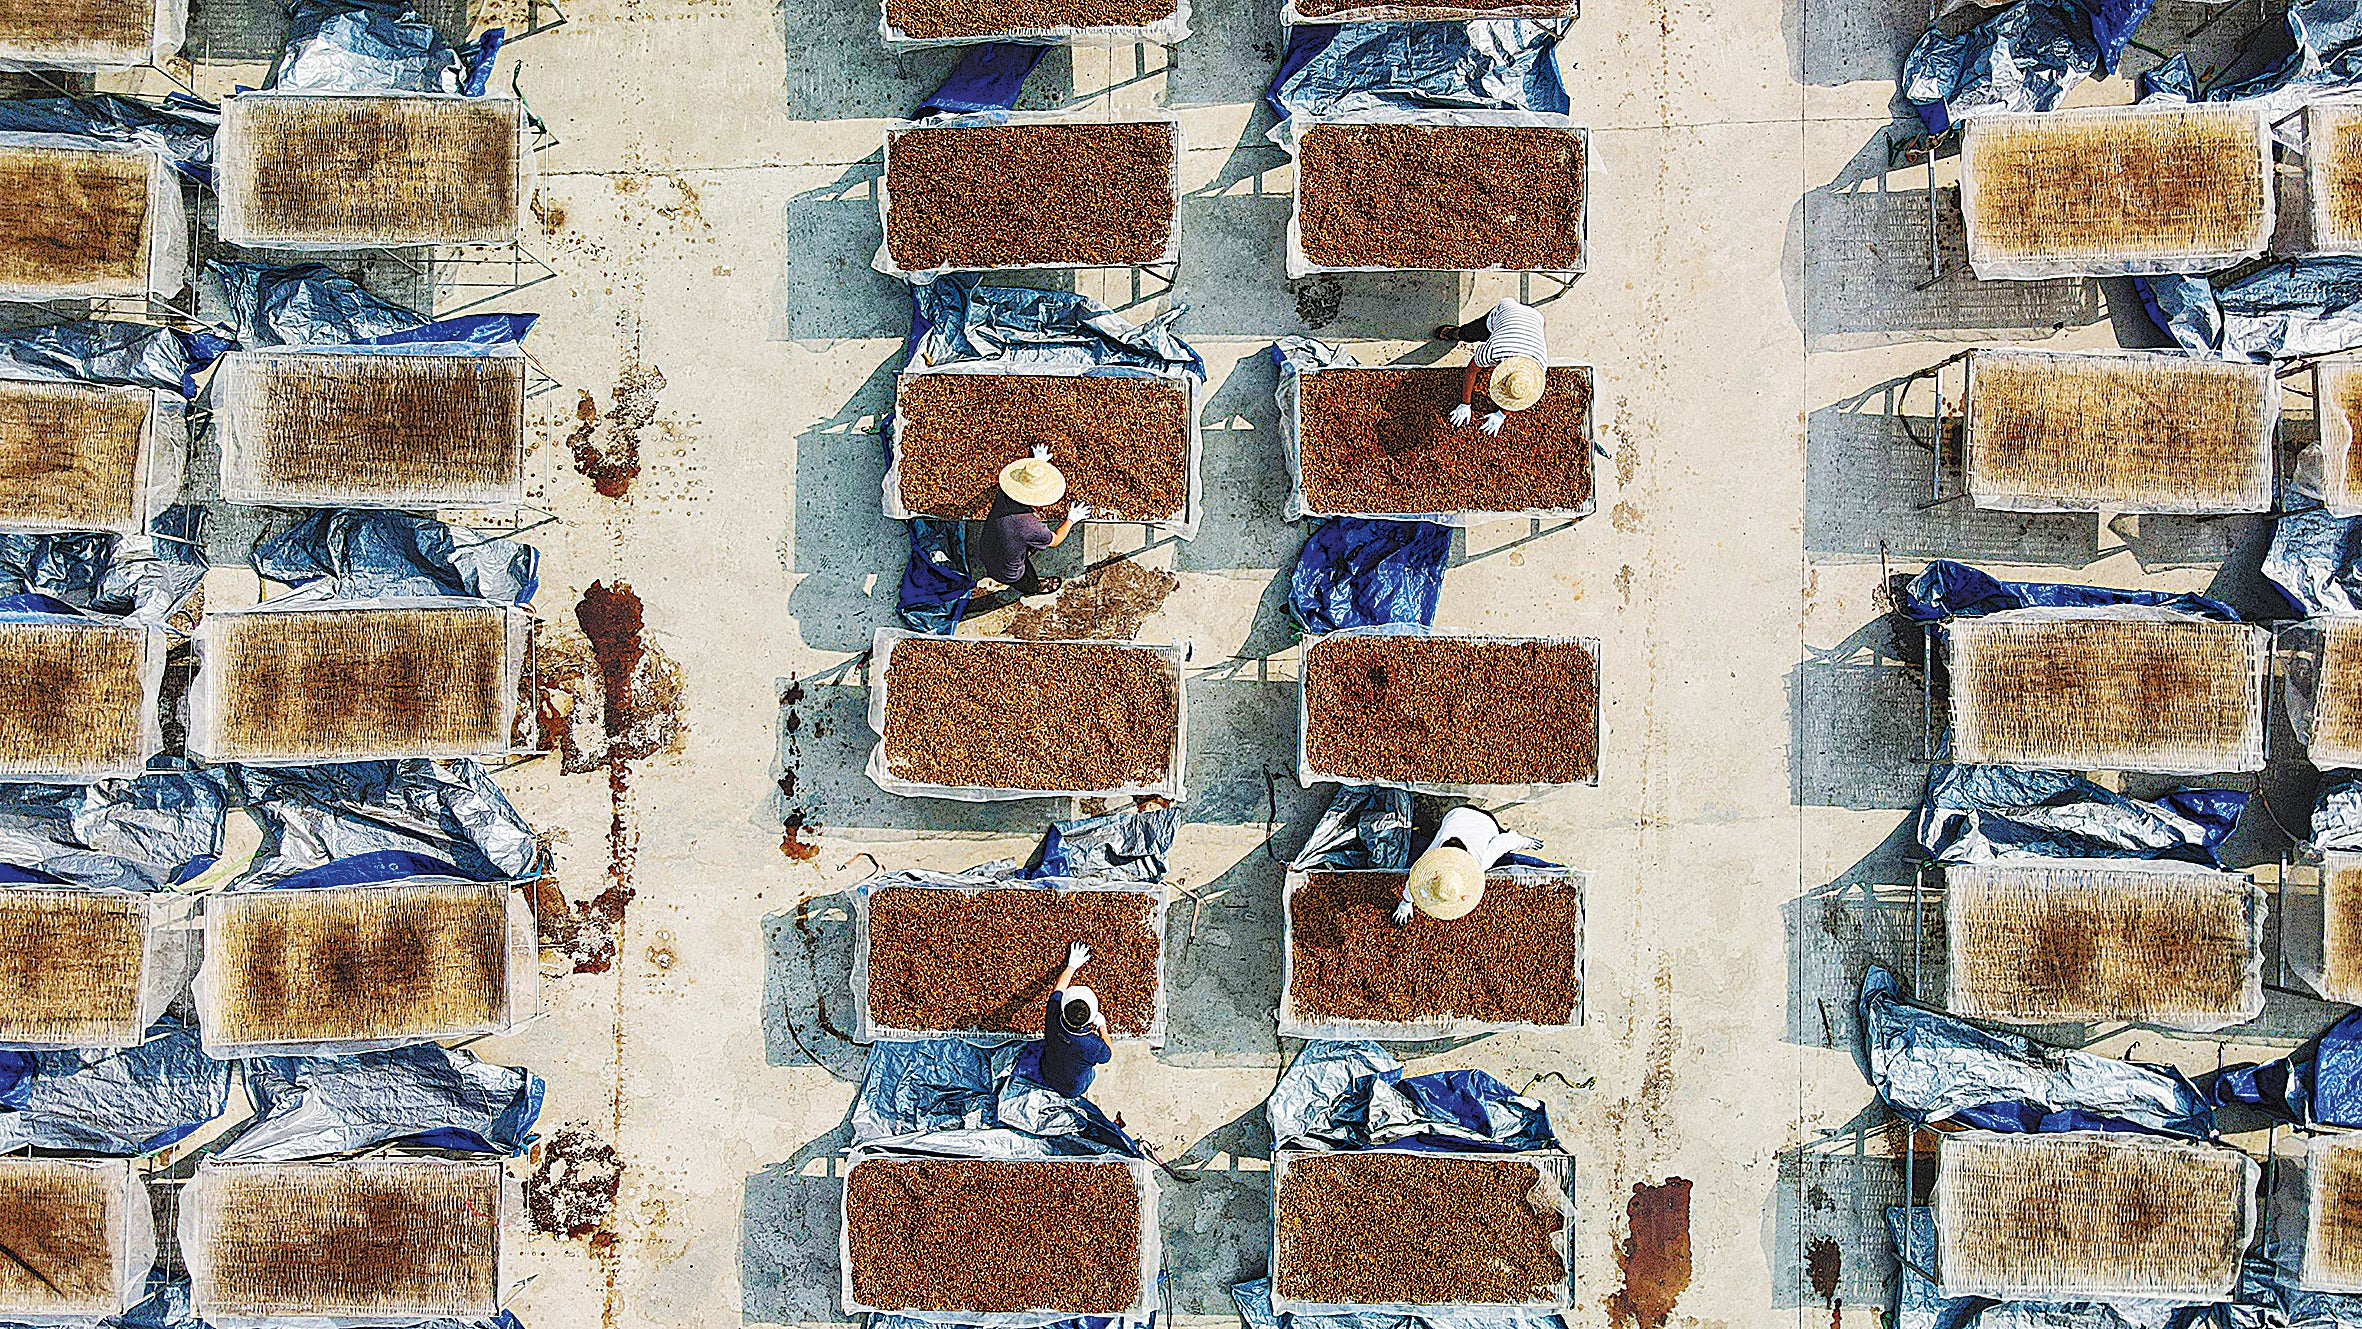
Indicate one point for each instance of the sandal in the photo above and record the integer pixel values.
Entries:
(1048, 585)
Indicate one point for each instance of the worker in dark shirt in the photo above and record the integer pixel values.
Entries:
(1074, 1033)
(1013, 530)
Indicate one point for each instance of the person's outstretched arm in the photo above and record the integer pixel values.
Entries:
(1077, 955)
(1077, 512)
(1466, 410)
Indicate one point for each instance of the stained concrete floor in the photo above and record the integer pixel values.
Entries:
(1756, 290)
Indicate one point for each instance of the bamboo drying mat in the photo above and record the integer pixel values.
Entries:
(2333, 175)
(417, 961)
(2333, 1214)
(73, 219)
(2082, 191)
(2336, 739)
(309, 170)
(407, 429)
(2341, 927)
(71, 967)
(58, 1221)
(2151, 433)
(74, 698)
(43, 27)
(353, 1238)
(2066, 1217)
(356, 683)
(2337, 405)
(2100, 693)
(2046, 944)
(69, 454)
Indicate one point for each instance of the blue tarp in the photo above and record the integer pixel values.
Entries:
(426, 1097)
(1488, 64)
(1955, 590)
(949, 1096)
(463, 334)
(145, 834)
(181, 127)
(362, 822)
(2316, 561)
(1353, 1095)
(2293, 308)
(1114, 846)
(2324, 58)
(1976, 814)
(988, 78)
(108, 575)
(936, 584)
(2319, 1084)
(2337, 816)
(1365, 826)
(1358, 571)
(97, 351)
(954, 320)
(2023, 58)
(1931, 1068)
(123, 1103)
(308, 305)
(1253, 1299)
(360, 555)
(375, 46)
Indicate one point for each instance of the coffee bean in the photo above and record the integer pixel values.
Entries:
(998, 196)
(1452, 198)
(1360, 1228)
(1380, 441)
(925, 19)
(955, 960)
(1517, 957)
(1030, 715)
(993, 1235)
(1122, 443)
(1444, 711)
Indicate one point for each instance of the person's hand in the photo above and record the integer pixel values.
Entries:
(1041, 452)
(1493, 422)
(1402, 912)
(1077, 955)
(1462, 414)
(1078, 512)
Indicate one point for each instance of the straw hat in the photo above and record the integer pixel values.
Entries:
(1445, 883)
(1517, 383)
(1087, 998)
(1033, 482)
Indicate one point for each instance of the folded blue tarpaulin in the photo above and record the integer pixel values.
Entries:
(1114, 846)
(2023, 58)
(1955, 590)
(361, 822)
(1358, 572)
(1364, 826)
(149, 833)
(181, 127)
(2293, 308)
(1345, 1095)
(956, 320)
(370, 554)
(452, 336)
(1486, 64)
(368, 46)
(1931, 1068)
(988, 78)
(98, 351)
(2319, 1084)
(307, 305)
(426, 1096)
(127, 1102)
(144, 580)
(1976, 814)
(936, 584)
(949, 1096)
(2316, 561)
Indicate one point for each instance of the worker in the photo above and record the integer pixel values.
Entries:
(1014, 529)
(1447, 881)
(1074, 1032)
(1510, 341)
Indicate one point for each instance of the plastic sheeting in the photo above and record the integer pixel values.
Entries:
(375, 46)
(309, 305)
(988, 78)
(1364, 827)
(1350, 69)
(181, 127)
(143, 834)
(2324, 58)
(2294, 308)
(362, 555)
(936, 585)
(952, 1097)
(141, 578)
(359, 822)
(953, 320)
(1946, 589)
(2316, 560)
(2021, 59)
(122, 1103)
(1931, 1068)
(1919, 1305)
(1981, 814)
(2319, 1084)
(1254, 1306)
(1114, 846)
(2337, 816)
(96, 351)
(1353, 1095)
(424, 1096)
(1360, 571)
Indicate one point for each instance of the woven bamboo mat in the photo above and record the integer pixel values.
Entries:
(358, 681)
(73, 219)
(2051, 944)
(2107, 694)
(2126, 433)
(414, 961)
(351, 1238)
(2130, 184)
(369, 170)
(377, 428)
(73, 699)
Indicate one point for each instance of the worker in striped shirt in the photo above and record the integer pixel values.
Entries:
(1510, 343)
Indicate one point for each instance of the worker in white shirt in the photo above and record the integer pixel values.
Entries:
(1447, 881)
(1511, 343)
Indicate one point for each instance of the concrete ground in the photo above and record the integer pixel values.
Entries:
(1754, 293)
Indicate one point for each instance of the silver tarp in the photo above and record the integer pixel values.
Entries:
(313, 1107)
(136, 835)
(448, 811)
